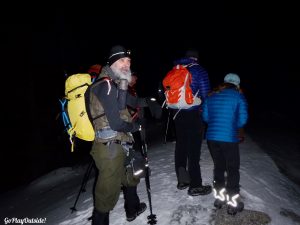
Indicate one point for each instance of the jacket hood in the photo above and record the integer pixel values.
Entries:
(107, 71)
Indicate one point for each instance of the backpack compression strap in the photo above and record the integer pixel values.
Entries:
(86, 84)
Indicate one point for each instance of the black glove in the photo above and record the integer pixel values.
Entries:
(129, 156)
(137, 162)
(136, 126)
(138, 165)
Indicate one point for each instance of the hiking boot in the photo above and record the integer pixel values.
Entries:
(219, 204)
(202, 190)
(234, 204)
(231, 210)
(142, 208)
(220, 195)
(182, 186)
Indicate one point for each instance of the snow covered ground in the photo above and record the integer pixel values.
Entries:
(263, 188)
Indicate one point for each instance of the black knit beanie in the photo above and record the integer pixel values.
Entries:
(117, 52)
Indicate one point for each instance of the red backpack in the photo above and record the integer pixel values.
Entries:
(177, 88)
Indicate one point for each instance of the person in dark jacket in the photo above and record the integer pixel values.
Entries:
(189, 129)
(137, 114)
(107, 100)
(225, 111)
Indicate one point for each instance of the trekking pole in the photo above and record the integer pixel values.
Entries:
(83, 184)
(167, 127)
(152, 217)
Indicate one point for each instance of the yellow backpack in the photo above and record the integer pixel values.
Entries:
(74, 113)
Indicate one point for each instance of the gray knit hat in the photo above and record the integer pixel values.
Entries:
(233, 79)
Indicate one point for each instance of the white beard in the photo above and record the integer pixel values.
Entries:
(122, 74)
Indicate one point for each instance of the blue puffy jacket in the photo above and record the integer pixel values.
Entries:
(200, 79)
(225, 112)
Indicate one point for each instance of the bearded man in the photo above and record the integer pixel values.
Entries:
(107, 101)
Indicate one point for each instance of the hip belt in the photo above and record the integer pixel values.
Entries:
(123, 143)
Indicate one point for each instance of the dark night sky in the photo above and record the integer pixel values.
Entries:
(247, 39)
(258, 42)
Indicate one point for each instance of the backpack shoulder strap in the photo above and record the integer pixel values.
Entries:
(108, 80)
(100, 80)
(191, 64)
(87, 96)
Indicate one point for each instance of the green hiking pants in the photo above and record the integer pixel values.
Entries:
(109, 160)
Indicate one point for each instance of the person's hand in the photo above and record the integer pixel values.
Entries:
(123, 85)
(241, 135)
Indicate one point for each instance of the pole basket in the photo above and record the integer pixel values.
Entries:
(152, 219)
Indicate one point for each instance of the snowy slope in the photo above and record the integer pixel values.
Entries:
(263, 188)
